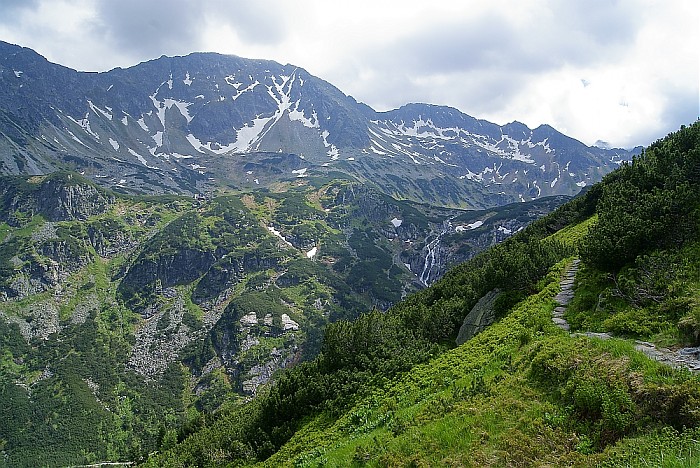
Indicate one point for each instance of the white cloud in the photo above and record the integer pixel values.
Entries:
(499, 60)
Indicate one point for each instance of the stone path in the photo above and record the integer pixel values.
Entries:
(688, 358)
(684, 357)
(565, 296)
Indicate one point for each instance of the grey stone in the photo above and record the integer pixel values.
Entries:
(481, 316)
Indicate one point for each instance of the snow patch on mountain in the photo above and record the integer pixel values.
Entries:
(141, 159)
(332, 152)
(85, 124)
(426, 128)
(297, 115)
(250, 88)
(278, 234)
(142, 124)
(469, 227)
(472, 176)
(99, 111)
(247, 135)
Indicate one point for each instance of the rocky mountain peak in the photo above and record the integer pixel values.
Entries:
(187, 124)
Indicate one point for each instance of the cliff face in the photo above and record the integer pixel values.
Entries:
(57, 200)
(58, 197)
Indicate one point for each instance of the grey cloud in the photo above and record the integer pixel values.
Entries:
(601, 22)
(152, 28)
(471, 93)
(149, 28)
(682, 107)
(10, 8)
(481, 64)
(259, 22)
(566, 33)
(6, 5)
(448, 48)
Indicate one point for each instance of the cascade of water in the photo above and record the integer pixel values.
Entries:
(432, 251)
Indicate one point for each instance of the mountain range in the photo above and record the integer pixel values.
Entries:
(210, 260)
(203, 121)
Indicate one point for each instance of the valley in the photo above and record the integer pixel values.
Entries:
(153, 312)
(391, 388)
(208, 260)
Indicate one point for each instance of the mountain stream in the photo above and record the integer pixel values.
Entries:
(431, 255)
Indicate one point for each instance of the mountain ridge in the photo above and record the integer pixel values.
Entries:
(159, 126)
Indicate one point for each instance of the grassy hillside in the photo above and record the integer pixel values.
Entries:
(391, 390)
(520, 393)
(126, 322)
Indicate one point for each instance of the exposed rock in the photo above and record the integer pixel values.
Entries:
(598, 335)
(65, 199)
(249, 319)
(688, 358)
(261, 374)
(83, 309)
(110, 242)
(45, 232)
(288, 323)
(59, 197)
(39, 320)
(481, 316)
(157, 345)
(248, 342)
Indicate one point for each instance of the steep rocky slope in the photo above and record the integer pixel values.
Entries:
(188, 124)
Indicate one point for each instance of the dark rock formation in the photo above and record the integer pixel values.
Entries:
(481, 316)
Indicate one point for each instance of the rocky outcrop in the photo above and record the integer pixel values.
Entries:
(109, 239)
(160, 338)
(67, 199)
(70, 254)
(262, 373)
(58, 197)
(481, 316)
(149, 276)
(38, 320)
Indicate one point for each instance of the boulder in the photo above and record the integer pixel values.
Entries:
(481, 316)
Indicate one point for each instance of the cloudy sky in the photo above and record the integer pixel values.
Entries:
(624, 72)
